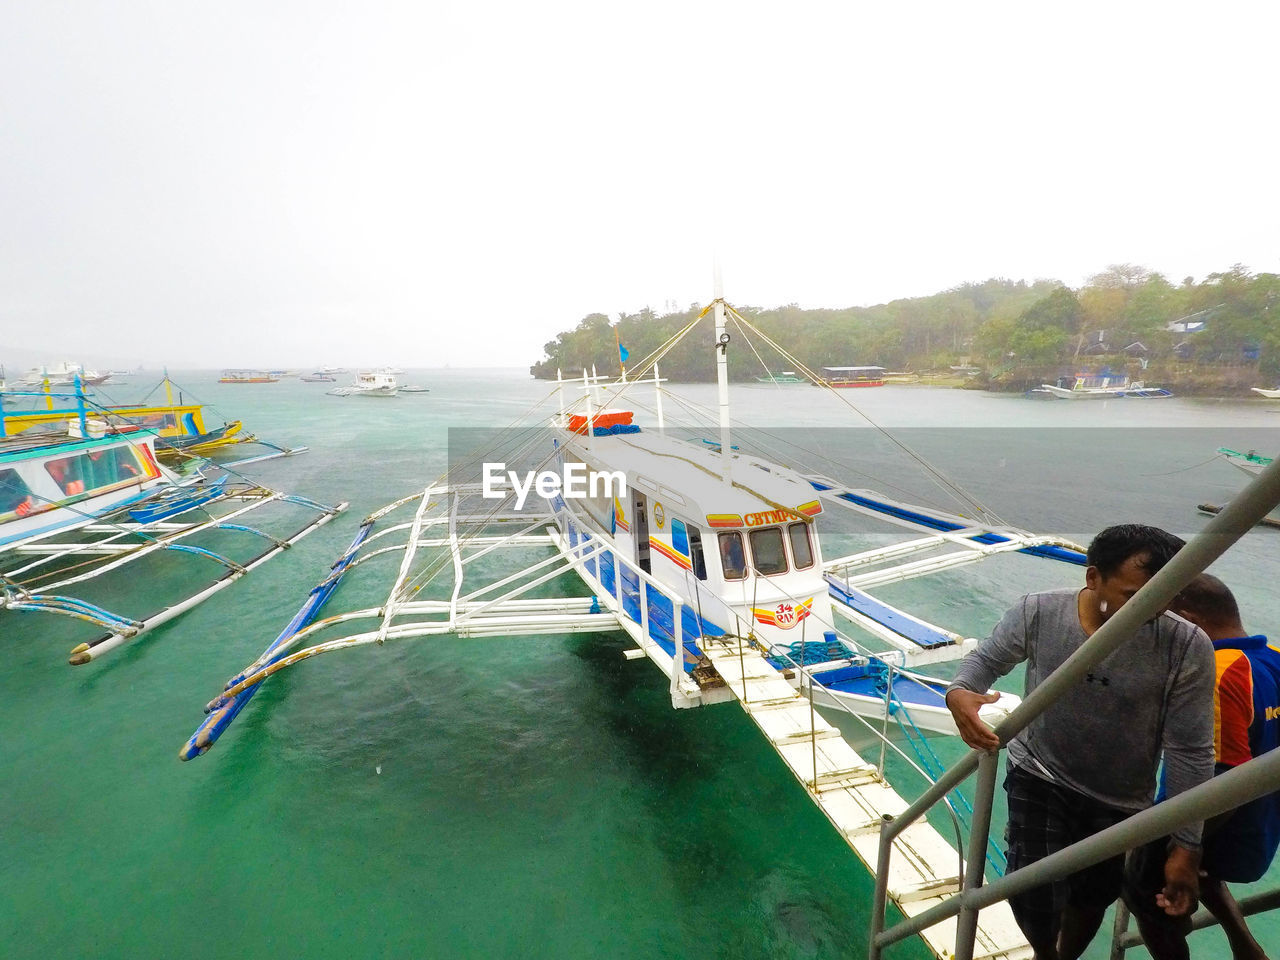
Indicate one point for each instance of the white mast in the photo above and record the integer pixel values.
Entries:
(657, 394)
(722, 376)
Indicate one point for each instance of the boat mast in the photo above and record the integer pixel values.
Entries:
(722, 376)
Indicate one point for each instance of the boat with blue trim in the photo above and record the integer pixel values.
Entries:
(709, 558)
(1103, 387)
(178, 424)
(82, 496)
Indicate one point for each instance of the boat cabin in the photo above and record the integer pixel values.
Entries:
(41, 476)
(742, 552)
(864, 376)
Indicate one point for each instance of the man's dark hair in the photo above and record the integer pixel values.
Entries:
(1114, 545)
(1209, 598)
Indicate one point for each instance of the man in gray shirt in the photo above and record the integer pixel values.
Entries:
(1089, 761)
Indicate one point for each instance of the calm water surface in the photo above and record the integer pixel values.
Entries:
(515, 797)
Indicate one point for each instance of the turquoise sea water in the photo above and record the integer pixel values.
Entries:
(513, 797)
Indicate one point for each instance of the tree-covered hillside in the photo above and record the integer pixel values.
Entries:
(1124, 313)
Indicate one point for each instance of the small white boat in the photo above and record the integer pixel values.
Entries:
(372, 384)
(62, 374)
(1269, 394)
(1251, 463)
(414, 388)
(1103, 387)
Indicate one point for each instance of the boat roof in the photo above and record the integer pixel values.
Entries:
(851, 369)
(688, 476)
(20, 446)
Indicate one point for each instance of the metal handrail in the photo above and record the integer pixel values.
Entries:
(1123, 939)
(1237, 518)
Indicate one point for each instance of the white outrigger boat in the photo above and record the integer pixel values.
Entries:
(1251, 463)
(91, 498)
(1103, 387)
(377, 383)
(709, 559)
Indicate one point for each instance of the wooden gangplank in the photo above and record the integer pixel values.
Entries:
(855, 798)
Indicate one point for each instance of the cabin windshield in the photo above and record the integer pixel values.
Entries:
(94, 470)
(733, 559)
(801, 546)
(767, 553)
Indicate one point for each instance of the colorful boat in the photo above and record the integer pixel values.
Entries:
(246, 376)
(179, 427)
(82, 502)
(53, 483)
(850, 377)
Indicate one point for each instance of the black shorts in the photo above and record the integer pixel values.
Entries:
(1044, 818)
(1143, 879)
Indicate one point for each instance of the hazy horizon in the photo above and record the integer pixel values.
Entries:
(245, 185)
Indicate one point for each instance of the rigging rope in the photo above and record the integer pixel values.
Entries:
(937, 475)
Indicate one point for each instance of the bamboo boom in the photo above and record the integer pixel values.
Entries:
(219, 719)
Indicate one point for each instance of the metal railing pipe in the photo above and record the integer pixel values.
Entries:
(881, 894)
(1225, 792)
(979, 833)
(1258, 903)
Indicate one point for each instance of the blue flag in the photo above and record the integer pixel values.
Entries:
(622, 353)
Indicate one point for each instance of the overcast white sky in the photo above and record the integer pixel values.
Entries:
(295, 183)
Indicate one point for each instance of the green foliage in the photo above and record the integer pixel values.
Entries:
(998, 323)
(1059, 311)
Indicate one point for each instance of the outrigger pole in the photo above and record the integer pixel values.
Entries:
(225, 709)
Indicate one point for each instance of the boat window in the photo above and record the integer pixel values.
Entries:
(117, 464)
(801, 549)
(14, 493)
(733, 559)
(95, 470)
(696, 556)
(766, 551)
(679, 538)
(67, 473)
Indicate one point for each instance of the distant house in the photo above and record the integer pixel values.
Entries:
(1095, 344)
(1185, 326)
(1137, 349)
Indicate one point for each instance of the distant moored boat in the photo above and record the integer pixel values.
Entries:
(246, 376)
